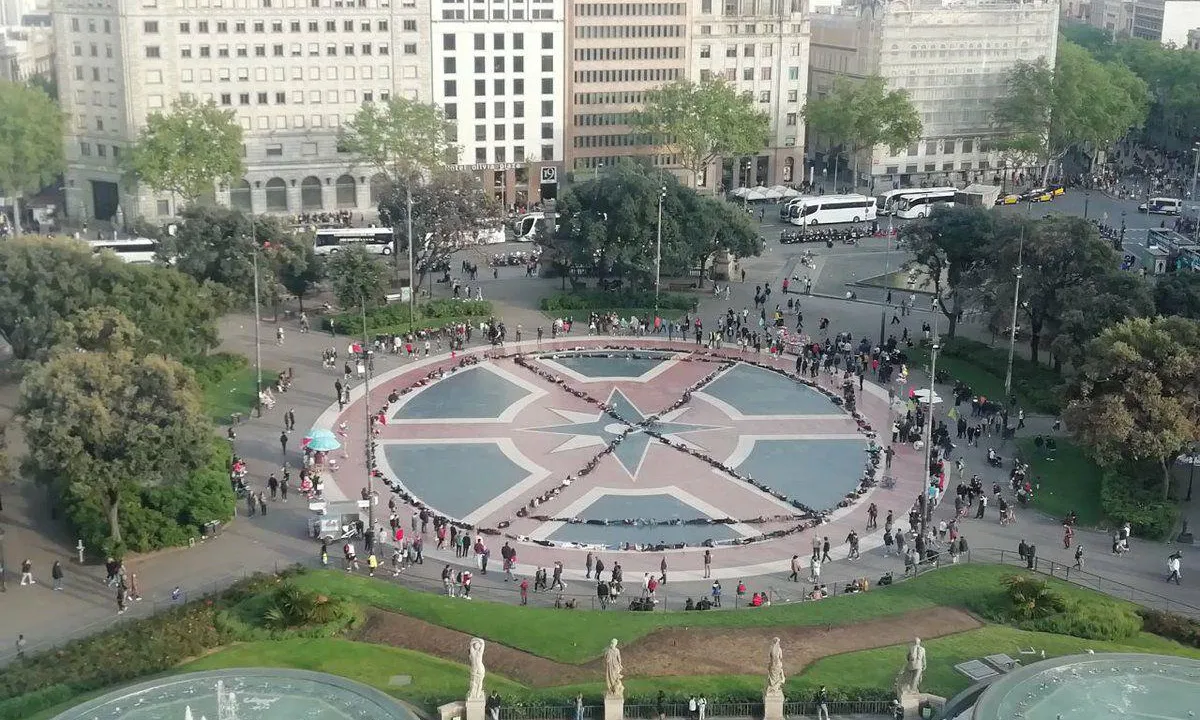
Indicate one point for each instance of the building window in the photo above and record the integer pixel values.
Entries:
(480, 41)
(547, 63)
(244, 99)
(275, 150)
(747, 73)
(498, 64)
(150, 27)
(518, 132)
(481, 156)
(480, 88)
(518, 64)
(731, 51)
(547, 108)
(547, 86)
(791, 118)
(449, 88)
(480, 133)
(85, 149)
(547, 41)
(547, 131)
(449, 65)
(280, 98)
(498, 41)
(706, 51)
(518, 109)
(153, 52)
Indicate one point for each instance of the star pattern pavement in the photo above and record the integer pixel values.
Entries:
(591, 429)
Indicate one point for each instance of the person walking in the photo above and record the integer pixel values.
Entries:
(283, 440)
(707, 563)
(1173, 564)
(56, 573)
(27, 572)
(825, 550)
(795, 576)
(1079, 557)
(289, 419)
(822, 700)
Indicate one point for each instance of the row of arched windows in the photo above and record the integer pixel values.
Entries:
(311, 193)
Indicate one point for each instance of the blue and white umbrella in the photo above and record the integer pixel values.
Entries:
(323, 441)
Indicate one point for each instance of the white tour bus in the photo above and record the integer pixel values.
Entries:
(374, 239)
(137, 251)
(1162, 206)
(526, 228)
(833, 209)
(885, 203)
(922, 204)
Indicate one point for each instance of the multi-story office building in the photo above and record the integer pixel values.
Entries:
(952, 59)
(1113, 16)
(619, 51)
(762, 48)
(498, 73)
(26, 53)
(293, 71)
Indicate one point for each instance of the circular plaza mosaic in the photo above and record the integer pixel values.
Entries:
(623, 448)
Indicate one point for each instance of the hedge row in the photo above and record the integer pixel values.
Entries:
(1127, 498)
(600, 301)
(395, 319)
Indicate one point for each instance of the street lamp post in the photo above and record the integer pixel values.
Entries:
(257, 328)
(662, 194)
(412, 288)
(370, 458)
(1012, 329)
(1087, 199)
(929, 424)
(1191, 478)
(887, 271)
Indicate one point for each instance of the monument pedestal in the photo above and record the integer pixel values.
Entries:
(476, 709)
(614, 707)
(772, 706)
(911, 702)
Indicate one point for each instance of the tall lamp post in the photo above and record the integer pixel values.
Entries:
(1087, 199)
(662, 195)
(887, 271)
(933, 354)
(367, 413)
(257, 324)
(1012, 329)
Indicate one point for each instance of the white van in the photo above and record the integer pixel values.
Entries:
(1162, 206)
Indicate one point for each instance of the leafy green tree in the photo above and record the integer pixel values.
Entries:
(298, 267)
(713, 226)
(864, 114)
(702, 122)
(1178, 294)
(48, 280)
(105, 424)
(218, 244)
(188, 150)
(449, 210)
(609, 226)
(1057, 256)
(1081, 103)
(1136, 395)
(356, 278)
(952, 247)
(1101, 302)
(31, 149)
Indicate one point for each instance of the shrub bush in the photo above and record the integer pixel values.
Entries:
(394, 318)
(23, 706)
(1030, 598)
(1127, 499)
(1171, 626)
(213, 369)
(597, 300)
(1095, 619)
(1037, 384)
(307, 615)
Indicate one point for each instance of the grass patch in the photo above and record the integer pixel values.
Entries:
(227, 385)
(983, 367)
(577, 637)
(625, 302)
(1069, 482)
(877, 668)
(433, 679)
(395, 319)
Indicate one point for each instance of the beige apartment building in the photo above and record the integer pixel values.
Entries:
(952, 59)
(762, 48)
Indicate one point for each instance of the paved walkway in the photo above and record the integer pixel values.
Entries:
(263, 543)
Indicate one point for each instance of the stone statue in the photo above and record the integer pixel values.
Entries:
(613, 670)
(475, 691)
(908, 682)
(775, 678)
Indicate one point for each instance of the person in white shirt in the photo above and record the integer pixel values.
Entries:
(1173, 567)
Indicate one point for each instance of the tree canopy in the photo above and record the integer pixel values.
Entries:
(449, 210)
(401, 138)
(188, 150)
(952, 247)
(31, 147)
(701, 122)
(49, 280)
(1136, 395)
(864, 114)
(218, 244)
(297, 265)
(1178, 294)
(356, 278)
(608, 225)
(1056, 257)
(104, 424)
(1081, 103)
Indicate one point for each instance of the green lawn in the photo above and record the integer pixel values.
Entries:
(541, 631)
(233, 394)
(986, 377)
(1071, 481)
(981, 381)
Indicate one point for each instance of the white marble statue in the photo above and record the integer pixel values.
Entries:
(908, 682)
(775, 676)
(475, 692)
(613, 670)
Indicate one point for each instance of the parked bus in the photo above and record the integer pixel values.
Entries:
(526, 227)
(375, 240)
(885, 203)
(791, 208)
(833, 209)
(921, 205)
(136, 251)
